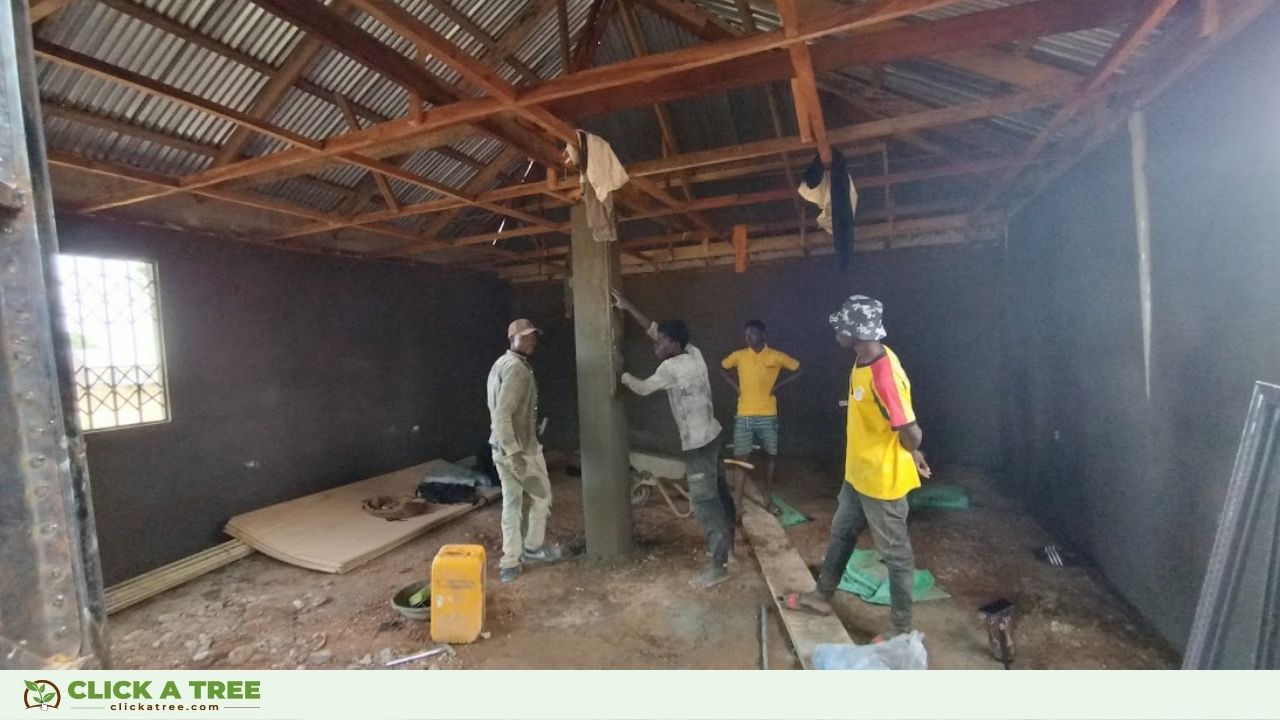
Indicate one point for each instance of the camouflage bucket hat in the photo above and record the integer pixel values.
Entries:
(860, 318)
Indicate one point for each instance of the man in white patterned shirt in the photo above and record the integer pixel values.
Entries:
(683, 374)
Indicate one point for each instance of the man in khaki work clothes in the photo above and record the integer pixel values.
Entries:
(513, 417)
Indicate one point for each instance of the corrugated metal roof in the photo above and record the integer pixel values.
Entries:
(711, 121)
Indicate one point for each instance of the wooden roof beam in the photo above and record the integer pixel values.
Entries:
(1035, 18)
(562, 29)
(1151, 15)
(853, 134)
(294, 65)
(584, 54)
(101, 167)
(687, 246)
(384, 187)
(1029, 20)
(698, 22)
(113, 73)
(120, 75)
(474, 71)
(139, 132)
(804, 85)
(41, 9)
(333, 28)
(274, 91)
(489, 43)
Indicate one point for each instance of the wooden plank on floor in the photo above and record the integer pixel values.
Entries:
(152, 583)
(784, 570)
(329, 532)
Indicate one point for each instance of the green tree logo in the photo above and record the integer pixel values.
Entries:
(41, 694)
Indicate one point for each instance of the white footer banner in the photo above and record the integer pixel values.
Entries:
(628, 695)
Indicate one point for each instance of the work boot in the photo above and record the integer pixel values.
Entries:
(544, 554)
(506, 575)
(710, 577)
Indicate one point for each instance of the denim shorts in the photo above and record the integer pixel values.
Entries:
(748, 428)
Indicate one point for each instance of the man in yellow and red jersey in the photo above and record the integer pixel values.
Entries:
(883, 463)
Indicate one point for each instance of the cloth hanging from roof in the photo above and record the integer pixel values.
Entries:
(600, 174)
(834, 194)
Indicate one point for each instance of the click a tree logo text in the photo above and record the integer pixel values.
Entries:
(41, 694)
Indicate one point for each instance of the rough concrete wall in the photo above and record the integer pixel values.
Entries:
(288, 374)
(1139, 482)
(941, 314)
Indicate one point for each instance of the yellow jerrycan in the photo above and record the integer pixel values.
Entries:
(457, 594)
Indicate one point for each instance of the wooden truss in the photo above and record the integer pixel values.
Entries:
(497, 95)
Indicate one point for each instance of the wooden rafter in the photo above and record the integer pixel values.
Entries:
(1186, 49)
(1028, 20)
(804, 84)
(631, 28)
(479, 74)
(687, 250)
(41, 9)
(463, 112)
(659, 68)
(1151, 15)
(562, 28)
(293, 66)
(101, 167)
(323, 23)
(857, 133)
(695, 20)
(140, 82)
(598, 18)
(275, 90)
(113, 73)
(379, 179)
(489, 43)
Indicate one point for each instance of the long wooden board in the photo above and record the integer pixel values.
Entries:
(329, 532)
(784, 570)
(153, 582)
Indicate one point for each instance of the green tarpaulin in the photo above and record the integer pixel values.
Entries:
(790, 516)
(938, 496)
(868, 578)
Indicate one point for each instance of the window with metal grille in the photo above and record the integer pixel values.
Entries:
(113, 317)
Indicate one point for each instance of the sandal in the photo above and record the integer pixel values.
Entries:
(802, 602)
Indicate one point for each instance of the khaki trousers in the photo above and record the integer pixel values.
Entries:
(523, 473)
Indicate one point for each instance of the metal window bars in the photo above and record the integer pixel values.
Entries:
(117, 350)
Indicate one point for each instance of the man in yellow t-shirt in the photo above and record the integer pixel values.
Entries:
(758, 367)
(883, 463)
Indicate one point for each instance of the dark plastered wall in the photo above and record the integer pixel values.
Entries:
(288, 373)
(1138, 482)
(941, 313)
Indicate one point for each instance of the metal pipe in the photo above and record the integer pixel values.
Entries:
(764, 637)
(441, 650)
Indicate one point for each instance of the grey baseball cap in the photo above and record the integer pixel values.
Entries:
(861, 318)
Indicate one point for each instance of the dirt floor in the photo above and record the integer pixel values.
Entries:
(260, 613)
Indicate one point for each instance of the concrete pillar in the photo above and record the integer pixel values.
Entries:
(606, 488)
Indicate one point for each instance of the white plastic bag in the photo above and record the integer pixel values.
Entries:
(904, 652)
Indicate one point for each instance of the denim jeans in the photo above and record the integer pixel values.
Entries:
(712, 502)
(888, 522)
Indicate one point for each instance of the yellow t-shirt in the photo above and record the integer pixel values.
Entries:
(875, 462)
(757, 372)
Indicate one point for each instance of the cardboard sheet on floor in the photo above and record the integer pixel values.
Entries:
(329, 532)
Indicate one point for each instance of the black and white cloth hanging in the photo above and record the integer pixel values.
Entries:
(833, 192)
(601, 174)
